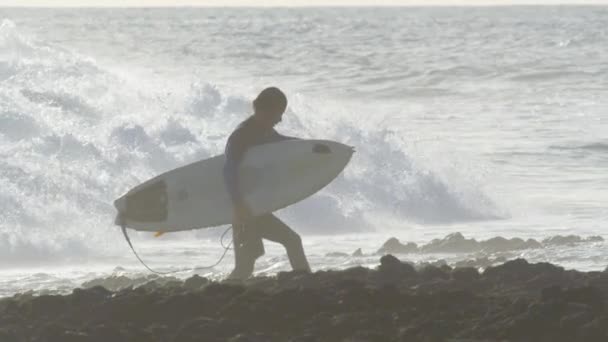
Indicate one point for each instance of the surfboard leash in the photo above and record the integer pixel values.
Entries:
(123, 227)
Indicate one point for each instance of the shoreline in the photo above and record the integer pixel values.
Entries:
(514, 301)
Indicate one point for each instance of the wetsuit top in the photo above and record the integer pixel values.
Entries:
(249, 133)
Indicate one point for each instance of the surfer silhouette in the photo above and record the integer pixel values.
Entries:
(248, 230)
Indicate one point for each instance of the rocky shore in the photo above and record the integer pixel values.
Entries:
(514, 301)
(457, 243)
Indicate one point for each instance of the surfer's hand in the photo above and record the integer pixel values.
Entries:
(242, 213)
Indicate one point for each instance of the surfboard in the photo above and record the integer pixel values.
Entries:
(271, 176)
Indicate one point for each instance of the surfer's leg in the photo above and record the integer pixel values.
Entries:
(248, 246)
(273, 229)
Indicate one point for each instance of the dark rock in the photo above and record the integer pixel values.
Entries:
(253, 337)
(390, 264)
(531, 243)
(358, 272)
(391, 270)
(336, 255)
(481, 262)
(89, 296)
(465, 274)
(306, 337)
(107, 332)
(559, 240)
(594, 331)
(208, 329)
(195, 282)
(587, 295)
(457, 243)
(594, 238)
(54, 332)
(292, 276)
(11, 334)
(500, 244)
(551, 293)
(115, 283)
(46, 305)
(520, 270)
(570, 322)
(393, 246)
(516, 301)
(453, 243)
(431, 272)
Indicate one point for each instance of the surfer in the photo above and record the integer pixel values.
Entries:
(248, 230)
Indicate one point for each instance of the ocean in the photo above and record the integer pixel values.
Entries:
(489, 121)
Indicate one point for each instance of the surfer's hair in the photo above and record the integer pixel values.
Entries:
(271, 98)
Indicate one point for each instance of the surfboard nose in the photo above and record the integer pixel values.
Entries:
(120, 205)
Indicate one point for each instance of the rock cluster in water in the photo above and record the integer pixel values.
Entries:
(515, 301)
(457, 243)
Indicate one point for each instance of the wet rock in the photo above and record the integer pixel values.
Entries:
(594, 238)
(453, 243)
(393, 246)
(480, 262)
(457, 243)
(8, 333)
(431, 272)
(291, 277)
(391, 270)
(588, 295)
(55, 332)
(89, 296)
(570, 322)
(500, 244)
(195, 282)
(521, 270)
(336, 255)
(593, 331)
(357, 273)
(253, 337)
(107, 332)
(600, 282)
(47, 305)
(465, 274)
(114, 283)
(306, 337)
(390, 264)
(206, 328)
(562, 240)
(516, 301)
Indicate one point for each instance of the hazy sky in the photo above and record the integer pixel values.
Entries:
(130, 3)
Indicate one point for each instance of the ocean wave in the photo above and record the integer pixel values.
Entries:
(593, 147)
(79, 134)
(19, 251)
(550, 75)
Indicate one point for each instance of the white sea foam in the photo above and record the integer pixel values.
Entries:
(459, 122)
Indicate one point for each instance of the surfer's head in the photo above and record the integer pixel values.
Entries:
(270, 105)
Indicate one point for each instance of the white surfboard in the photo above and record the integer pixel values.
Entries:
(271, 176)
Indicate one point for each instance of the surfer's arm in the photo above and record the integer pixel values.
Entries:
(231, 181)
(235, 150)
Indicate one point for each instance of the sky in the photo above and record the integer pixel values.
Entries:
(155, 3)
